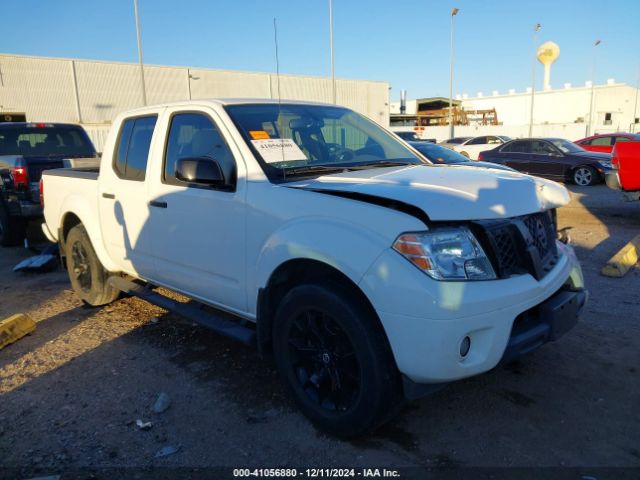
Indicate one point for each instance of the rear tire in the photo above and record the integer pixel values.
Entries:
(12, 229)
(335, 360)
(87, 275)
(584, 176)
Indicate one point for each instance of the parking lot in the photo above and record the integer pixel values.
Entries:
(71, 392)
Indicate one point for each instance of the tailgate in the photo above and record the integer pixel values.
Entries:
(627, 155)
(35, 167)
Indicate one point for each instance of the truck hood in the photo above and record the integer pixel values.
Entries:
(446, 193)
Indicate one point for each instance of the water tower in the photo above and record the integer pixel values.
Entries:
(548, 53)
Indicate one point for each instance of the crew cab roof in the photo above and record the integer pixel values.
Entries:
(227, 101)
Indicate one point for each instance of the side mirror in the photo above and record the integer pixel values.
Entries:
(201, 170)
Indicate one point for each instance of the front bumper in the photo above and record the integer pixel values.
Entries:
(426, 321)
(545, 322)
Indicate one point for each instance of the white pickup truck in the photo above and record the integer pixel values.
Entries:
(367, 273)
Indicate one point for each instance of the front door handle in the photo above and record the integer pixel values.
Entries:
(109, 195)
(155, 203)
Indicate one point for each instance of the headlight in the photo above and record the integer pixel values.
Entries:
(446, 254)
(605, 165)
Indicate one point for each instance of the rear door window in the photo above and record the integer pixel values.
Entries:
(620, 139)
(132, 152)
(517, 147)
(601, 142)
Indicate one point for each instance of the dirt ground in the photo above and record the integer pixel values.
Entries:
(71, 393)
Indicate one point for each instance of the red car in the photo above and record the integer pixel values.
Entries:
(604, 143)
(625, 174)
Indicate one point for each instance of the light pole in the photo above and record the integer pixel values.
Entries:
(190, 77)
(593, 83)
(454, 12)
(144, 90)
(333, 78)
(635, 106)
(536, 29)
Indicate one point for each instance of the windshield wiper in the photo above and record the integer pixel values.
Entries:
(381, 164)
(311, 169)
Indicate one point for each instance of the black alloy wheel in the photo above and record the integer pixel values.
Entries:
(334, 358)
(324, 361)
(89, 279)
(81, 267)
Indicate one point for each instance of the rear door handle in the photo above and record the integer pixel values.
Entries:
(109, 195)
(154, 203)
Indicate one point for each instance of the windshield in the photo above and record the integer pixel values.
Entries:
(566, 146)
(438, 154)
(292, 140)
(45, 141)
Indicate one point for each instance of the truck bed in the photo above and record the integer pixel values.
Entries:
(70, 190)
(89, 173)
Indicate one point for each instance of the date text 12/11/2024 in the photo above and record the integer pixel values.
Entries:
(316, 473)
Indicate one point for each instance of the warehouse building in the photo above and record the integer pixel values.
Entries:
(562, 112)
(92, 93)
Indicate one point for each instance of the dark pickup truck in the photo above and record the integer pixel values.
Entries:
(26, 150)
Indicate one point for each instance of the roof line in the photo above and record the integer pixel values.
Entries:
(39, 57)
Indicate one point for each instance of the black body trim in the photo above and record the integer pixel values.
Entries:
(214, 319)
(545, 322)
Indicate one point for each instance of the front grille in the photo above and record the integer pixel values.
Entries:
(504, 248)
(524, 244)
(542, 233)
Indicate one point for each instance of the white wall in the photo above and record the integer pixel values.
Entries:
(93, 93)
(566, 105)
(570, 131)
(555, 112)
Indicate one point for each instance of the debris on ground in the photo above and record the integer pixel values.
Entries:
(143, 425)
(46, 261)
(14, 328)
(162, 403)
(166, 451)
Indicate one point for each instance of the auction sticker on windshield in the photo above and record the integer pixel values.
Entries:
(278, 150)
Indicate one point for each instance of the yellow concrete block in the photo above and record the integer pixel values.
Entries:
(622, 261)
(14, 328)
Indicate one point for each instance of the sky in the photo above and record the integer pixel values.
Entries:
(403, 42)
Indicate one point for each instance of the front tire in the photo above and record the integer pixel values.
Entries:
(584, 176)
(87, 275)
(334, 358)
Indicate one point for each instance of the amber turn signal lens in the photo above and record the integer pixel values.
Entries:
(409, 246)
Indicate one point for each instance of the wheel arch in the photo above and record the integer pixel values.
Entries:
(71, 219)
(299, 271)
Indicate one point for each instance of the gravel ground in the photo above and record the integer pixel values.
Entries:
(71, 393)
